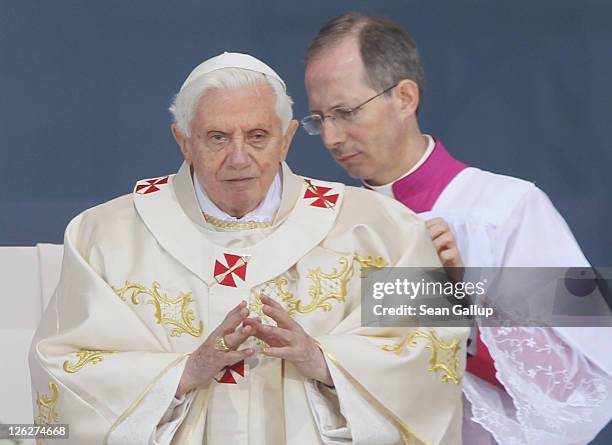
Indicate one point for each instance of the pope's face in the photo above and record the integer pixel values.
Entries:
(236, 145)
(369, 146)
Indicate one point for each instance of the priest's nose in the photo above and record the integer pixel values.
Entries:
(332, 134)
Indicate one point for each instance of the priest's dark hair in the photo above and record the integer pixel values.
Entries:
(388, 52)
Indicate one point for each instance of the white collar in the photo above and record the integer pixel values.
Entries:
(387, 189)
(264, 212)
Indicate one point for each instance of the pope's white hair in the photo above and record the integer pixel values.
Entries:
(185, 102)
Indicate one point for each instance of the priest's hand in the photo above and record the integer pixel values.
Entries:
(446, 247)
(290, 342)
(207, 361)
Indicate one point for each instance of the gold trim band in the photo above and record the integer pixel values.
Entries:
(235, 225)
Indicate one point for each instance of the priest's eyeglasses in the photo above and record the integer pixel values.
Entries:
(313, 124)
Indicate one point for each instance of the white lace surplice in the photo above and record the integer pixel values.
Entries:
(558, 381)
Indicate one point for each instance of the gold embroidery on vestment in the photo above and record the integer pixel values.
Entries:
(84, 357)
(257, 306)
(369, 262)
(443, 355)
(47, 412)
(275, 289)
(236, 225)
(166, 308)
(326, 286)
(332, 285)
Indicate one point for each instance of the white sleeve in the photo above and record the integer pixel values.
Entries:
(536, 235)
(172, 419)
(343, 416)
(157, 417)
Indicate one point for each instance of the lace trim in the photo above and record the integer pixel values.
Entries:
(555, 391)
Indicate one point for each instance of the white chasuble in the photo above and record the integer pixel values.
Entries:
(146, 279)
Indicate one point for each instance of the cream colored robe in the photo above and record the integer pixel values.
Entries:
(145, 280)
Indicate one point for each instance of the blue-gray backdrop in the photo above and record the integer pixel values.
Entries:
(521, 88)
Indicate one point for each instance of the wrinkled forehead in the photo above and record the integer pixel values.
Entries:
(244, 106)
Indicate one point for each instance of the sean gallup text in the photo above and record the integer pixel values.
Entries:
(403, 310)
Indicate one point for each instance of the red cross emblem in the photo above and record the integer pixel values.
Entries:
(230, 373)
(320, 193)
(147, 186)
(236, 265)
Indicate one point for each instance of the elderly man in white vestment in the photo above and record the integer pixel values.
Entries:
(525, 385)
(221, 305)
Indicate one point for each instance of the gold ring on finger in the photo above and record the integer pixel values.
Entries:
(220, 344)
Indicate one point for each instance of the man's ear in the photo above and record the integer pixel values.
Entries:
(288, 137)
(182, 142)
(407, 92)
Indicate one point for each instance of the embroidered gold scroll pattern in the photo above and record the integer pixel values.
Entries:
(328, 286)
(168, 311)
(443, 355)
(84, 357)
(47, 412)
(274, 288)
